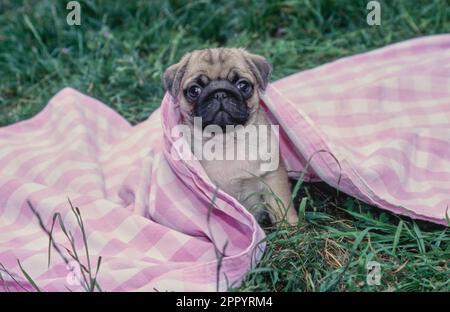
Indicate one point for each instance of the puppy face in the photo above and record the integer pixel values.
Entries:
(219, 85)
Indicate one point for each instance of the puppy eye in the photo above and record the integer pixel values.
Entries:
(194, 91)
(244, 86)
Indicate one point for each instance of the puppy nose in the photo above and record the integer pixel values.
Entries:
(220, 95)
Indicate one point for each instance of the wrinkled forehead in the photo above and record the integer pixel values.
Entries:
(212, 64)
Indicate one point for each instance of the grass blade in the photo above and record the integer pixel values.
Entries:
(397, 235)
(28, 277)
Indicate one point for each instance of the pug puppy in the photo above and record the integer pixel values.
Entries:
(223, 87)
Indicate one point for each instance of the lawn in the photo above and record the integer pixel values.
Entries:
(119, 52)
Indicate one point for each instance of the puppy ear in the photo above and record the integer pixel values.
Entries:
(174, 74)
(261, 68)
(169, 77)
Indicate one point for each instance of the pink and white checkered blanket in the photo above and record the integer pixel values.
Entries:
(383, 116)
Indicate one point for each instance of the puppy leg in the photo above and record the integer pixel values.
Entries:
(278, 184)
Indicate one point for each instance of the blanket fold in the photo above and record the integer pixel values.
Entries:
(375, 125)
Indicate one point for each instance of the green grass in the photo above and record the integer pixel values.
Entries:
(120, 51)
